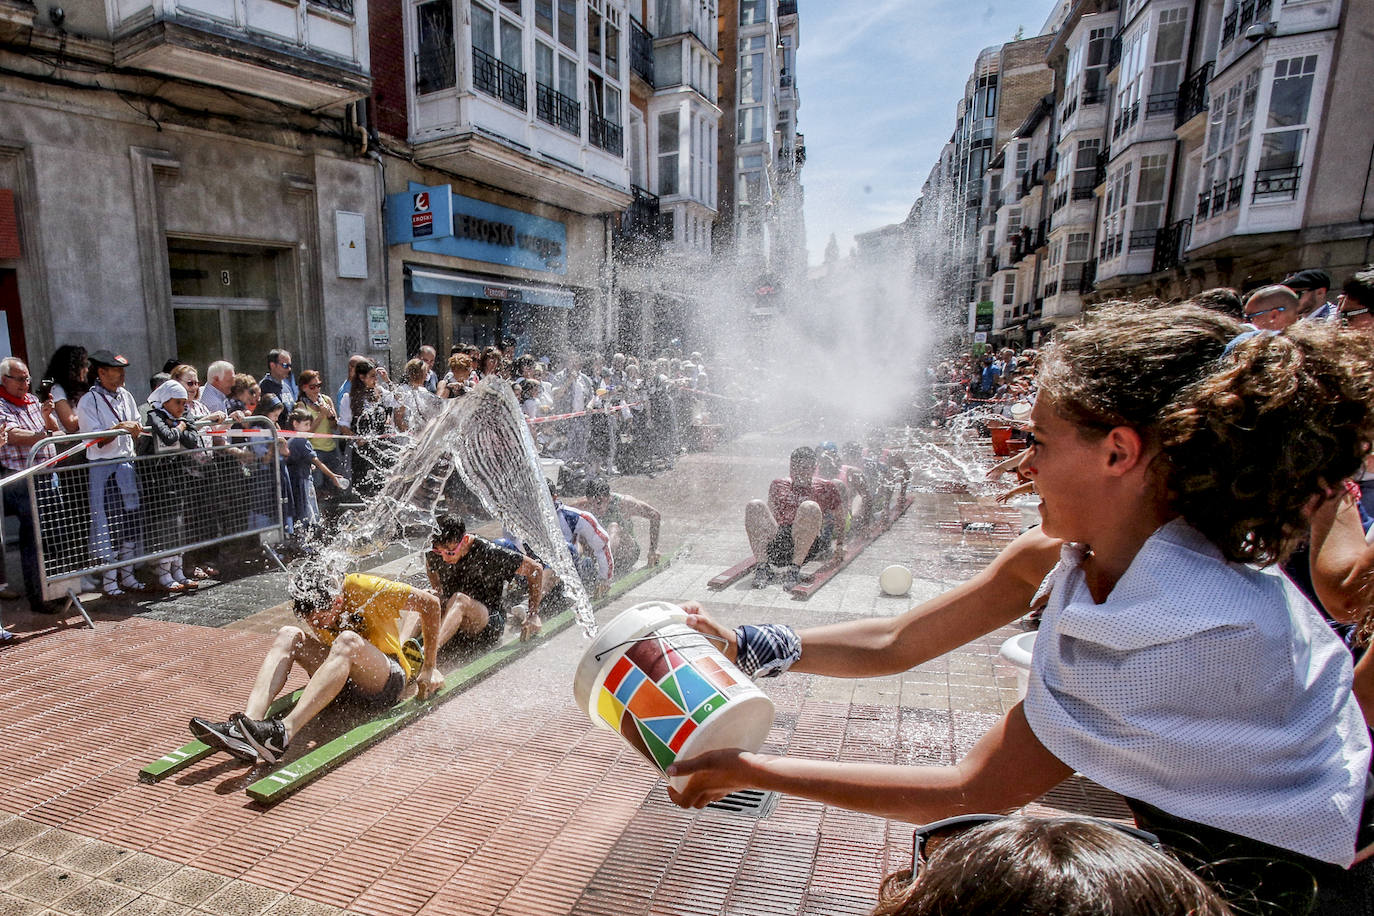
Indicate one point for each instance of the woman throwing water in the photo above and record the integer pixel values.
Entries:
(1175, 455)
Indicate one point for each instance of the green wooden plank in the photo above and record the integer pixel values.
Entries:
(195, 751)
(283, 781)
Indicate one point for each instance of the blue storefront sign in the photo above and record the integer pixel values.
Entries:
(423, 212)
(481, 231)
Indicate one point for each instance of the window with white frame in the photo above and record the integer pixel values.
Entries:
(1134, 50)
(669, 140)
(1077, 247)
(1085, 167)
(603, 71)
(1013, 222)
(1148, 210)
(1285, 128)
(500, 36)
(434, 60)
(752, 12)
(555, 73)
(1022, 159)
(749, 172)
(751, 90)
(1008, 288)
(1167, 69)
(1230, 125)
(1114, 211)
(1095, 55)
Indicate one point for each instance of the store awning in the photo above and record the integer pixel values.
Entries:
(448, 283)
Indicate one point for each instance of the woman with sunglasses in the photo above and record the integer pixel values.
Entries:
(1178, 456)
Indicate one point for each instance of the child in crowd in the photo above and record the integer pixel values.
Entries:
(261, 487)
(301, 460)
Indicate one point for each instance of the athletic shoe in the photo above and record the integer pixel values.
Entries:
(225, 736)
(266, 736)
(414, 651)
(763, 575)
(791, 576)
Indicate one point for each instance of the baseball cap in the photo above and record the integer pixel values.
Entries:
(1304, 280)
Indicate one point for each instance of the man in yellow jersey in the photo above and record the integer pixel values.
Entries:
(351, 649)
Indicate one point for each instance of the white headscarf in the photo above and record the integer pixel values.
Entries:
(166, 391)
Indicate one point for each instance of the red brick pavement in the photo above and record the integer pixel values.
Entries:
(489, 810)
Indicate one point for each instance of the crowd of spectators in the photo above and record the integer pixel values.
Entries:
(216, 475)
(994, 379)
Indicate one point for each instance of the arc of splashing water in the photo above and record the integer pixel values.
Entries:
(484, 439)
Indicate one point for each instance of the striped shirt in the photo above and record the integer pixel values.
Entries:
(30, 419)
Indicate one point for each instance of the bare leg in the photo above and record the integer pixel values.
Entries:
(462, 615)
(292, 645)
(761, 528)
(805, 529)
(350, 656)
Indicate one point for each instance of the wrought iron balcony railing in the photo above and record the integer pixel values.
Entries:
(641, 52)
(1192, 94)
(553, 107)
(498, 79)
(1088, 278)
(1228, 27)
(605, 135)
(1142, 238)
(1170, 243)
(1234, 188)
(1271, 183)
(1161, 103)
(640, 228)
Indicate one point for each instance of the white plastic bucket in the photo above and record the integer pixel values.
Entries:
(895, 580)
(1017, 653)
(668, 691)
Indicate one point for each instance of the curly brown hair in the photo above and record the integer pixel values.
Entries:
(1252, 435)
(1066, 866)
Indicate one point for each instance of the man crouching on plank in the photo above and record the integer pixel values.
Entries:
(351, 648)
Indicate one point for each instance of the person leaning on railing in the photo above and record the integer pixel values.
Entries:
(203, 521)
(165, 480)
(115, 518)
(28, 422)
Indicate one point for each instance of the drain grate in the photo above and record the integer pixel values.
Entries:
(748, 803)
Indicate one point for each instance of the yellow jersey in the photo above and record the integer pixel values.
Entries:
(376, 604)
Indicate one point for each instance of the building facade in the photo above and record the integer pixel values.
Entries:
(1183, 145)
(188, 178)
(760, 234)
(503, 169)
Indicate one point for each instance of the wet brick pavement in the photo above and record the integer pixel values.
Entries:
(501, 801)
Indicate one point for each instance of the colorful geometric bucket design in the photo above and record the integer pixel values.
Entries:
(662, 689)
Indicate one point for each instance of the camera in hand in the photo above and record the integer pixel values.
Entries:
(44, 389)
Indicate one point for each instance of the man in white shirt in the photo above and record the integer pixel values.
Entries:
(113, 487)
(219, 378)
(572, 393)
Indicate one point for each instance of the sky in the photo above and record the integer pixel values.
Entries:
(879, 81)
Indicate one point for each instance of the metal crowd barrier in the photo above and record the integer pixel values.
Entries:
(95, 516)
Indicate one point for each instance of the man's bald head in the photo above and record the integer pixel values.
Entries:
(1272, 308)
